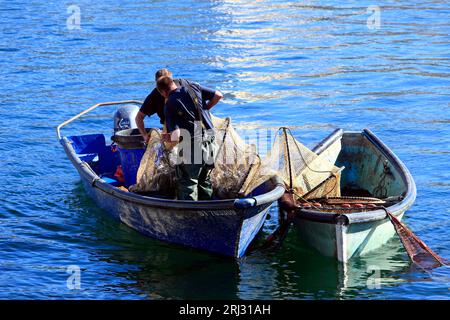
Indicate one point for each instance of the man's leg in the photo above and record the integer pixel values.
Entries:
(187, 181)
(205, 190)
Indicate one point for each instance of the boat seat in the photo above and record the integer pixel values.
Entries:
(91, 146)
(88, 143)
(111, 181)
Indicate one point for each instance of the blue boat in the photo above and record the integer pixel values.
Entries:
(225, 227)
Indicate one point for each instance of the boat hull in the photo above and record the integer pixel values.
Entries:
(218, 231)
(343, 241)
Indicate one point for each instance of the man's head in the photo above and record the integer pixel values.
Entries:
(165, 85)
(162, 73)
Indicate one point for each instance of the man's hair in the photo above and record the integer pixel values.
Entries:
(162, 73)
(164, 83)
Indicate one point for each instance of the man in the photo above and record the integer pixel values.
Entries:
(186, 122)
(154, 103)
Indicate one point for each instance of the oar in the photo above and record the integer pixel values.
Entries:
(417, 250)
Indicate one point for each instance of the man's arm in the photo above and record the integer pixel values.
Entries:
(140, 124)
(212, 102)
(172, 137)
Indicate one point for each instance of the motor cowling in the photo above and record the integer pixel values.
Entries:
(124, 117)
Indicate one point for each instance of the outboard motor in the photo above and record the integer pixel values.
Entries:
(124, 117)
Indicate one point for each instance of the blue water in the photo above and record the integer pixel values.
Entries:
(315, 65)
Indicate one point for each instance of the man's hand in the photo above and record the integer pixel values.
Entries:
(171, 139)
(165, 137)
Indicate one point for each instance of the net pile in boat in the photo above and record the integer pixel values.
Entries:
(155, 173)
(234, 161)
(343, 204)
(239, 168)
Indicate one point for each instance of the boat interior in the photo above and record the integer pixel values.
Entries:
(369, 176)
(368, 171)
(104, 158)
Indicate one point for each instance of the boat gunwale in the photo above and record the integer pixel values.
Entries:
(239, 204)
(364, 216)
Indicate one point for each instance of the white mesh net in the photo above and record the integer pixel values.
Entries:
(302, 170)
(155, 173)
(235, 159)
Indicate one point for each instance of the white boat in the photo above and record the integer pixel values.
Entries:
(373, 180)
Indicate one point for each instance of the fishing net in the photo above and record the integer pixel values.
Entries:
(155, 173)
(304, 172)
(239, 169)
(234, 161)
